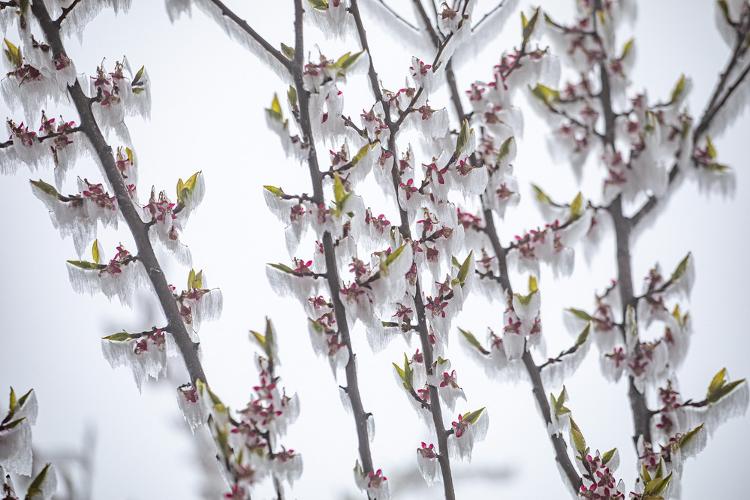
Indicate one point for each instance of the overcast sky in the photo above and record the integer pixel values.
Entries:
(207, 114)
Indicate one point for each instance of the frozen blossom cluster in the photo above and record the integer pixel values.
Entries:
(249, 439)
(643, 148)
(38, 75)
(403, 270)
(16, 460)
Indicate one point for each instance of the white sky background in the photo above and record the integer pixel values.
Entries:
(207, 114)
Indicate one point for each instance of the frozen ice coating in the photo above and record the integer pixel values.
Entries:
(405, 213)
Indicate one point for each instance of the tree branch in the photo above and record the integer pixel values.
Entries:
(137, 228)
(397, 16)
(558, 442)
(435, 406)
(65, 11)
(244, 26)
(352, 390)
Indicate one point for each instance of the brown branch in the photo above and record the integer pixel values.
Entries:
(435, 407)
(65, 11)
(43, 138)
(126, 206)
(715, 104)
(332, 275)
(558, 442)
(397, 16)
(487, 15)
(244, 26)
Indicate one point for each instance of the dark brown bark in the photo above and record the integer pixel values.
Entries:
(332, 276)
(137, 227)
(435, 405)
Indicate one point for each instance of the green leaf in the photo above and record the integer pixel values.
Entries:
(678, 89)
(22, 399)
(282, 267)
(12, 400)
(35, 488)
(583, 335)
(186, 188)
(13, 53)
(578, 440)
(270, 337)
(275, 112)
(339, 192)
(45, 188)
(719, 387)
(319, 4)
(558, 403)
(540, 195)
(406, 374)
(725, 10)
(275, 190)
(463, 271)
(95, 254)
(218, 405)
(12, 424)
(361, 153)
(259, 338)
(82, 264)
(533, 285)
(710, 148)
(118, 337)
(346, 61)
(545, 94)
(580, 314)
(576, 206)
(195, 280)
(717, 167)
(627, 48)
(463, 137)
(657, 485)
(679, 271)
(504, 149)
(287, 51)
(686, 438)
(608, 456)
(473, 341)
(472, 416)
(291, 95)
(528, 25)
(394, 255)
(138, 77)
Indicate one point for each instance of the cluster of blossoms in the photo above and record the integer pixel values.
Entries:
(40, 75)
(644, 146)
(621, 349)
(366, 269)
(16, 450)
(250, 451)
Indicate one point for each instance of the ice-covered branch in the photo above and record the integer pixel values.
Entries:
(139, 230)
(65, 11)
(435, 405)
(244, 26)
(500, 253)
(334, 284)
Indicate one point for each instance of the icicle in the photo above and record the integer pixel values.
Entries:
(238, 35)
(555, 373)
(193, 410)
(15, 449)
(427, 462)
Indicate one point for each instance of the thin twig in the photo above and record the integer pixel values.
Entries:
(244, 26)
(65, 11)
